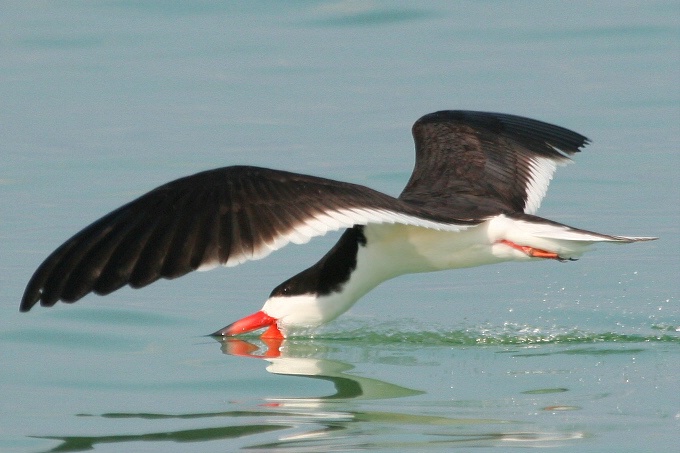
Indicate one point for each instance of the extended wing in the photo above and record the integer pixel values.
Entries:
(218, 217)
(485, 163)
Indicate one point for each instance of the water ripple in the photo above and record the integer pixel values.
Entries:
(506, 335)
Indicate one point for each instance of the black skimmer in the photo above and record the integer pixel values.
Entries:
(478, 180)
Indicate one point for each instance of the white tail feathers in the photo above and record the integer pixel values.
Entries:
(567, 242)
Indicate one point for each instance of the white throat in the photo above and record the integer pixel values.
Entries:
(374, 265)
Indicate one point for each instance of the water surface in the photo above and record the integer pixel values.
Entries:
(104, 101)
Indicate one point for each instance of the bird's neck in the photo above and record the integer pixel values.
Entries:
(328, 288)
(331, 272)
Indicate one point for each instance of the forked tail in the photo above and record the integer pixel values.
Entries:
(541, 238)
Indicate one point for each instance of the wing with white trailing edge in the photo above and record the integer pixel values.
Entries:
(486, 163)
(218, 217)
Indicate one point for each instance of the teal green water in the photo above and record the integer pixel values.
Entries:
(371, 392)
(100, 102)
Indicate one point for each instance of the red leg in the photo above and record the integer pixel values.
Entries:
(532, 252)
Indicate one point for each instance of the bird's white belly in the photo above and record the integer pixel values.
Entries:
(390, 251)
(405, 249)
(396, 249)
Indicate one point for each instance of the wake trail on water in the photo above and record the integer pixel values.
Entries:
(507, 334)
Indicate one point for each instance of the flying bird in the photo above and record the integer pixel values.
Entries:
(477, 182)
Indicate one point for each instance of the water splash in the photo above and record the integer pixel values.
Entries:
(506, 335)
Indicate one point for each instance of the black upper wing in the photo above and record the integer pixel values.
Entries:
(223, 216)
(485, 163)
(469, 165)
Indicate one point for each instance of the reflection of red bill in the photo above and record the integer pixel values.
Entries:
(561, 408)
(234, 346)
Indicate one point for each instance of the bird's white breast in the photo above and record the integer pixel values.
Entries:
(401, 249)
(396, 249)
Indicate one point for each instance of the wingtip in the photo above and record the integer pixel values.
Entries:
(631, 239)
(28, 301)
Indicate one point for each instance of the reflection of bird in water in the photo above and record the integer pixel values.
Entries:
(292, 360)
(336, 415)
(477, 182)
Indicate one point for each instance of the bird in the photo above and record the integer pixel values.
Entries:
(477, 182)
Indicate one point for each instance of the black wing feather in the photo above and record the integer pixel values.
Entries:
(469, 165)
(480, 163)
(214, 217)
